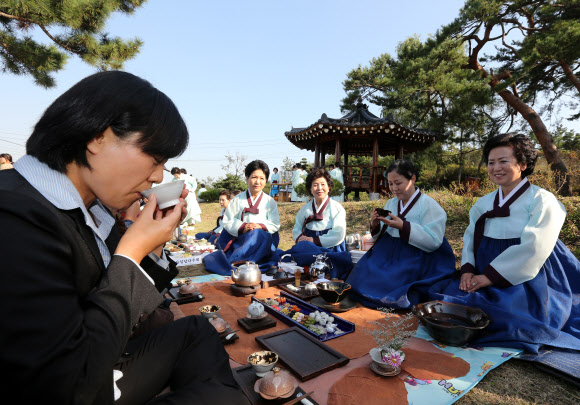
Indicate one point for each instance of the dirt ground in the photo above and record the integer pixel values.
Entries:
(514, 382)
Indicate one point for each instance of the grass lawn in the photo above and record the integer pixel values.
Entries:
(514, 382)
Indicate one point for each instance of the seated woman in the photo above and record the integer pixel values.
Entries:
(320, 227)
(514, 267)
(410, 251)
(251, 223)
(224, 199)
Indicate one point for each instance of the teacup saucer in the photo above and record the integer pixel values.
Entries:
(384, 372)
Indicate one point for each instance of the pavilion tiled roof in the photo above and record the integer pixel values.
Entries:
(357, 130)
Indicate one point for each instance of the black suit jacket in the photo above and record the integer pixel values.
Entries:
(64, 318)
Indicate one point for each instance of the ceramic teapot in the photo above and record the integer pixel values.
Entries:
(255, 310)
(310, 288)
(247, 274)
(321, 266)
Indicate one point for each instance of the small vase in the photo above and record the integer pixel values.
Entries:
(378, 366)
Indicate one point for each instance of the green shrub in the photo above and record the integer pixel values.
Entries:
(211, 195)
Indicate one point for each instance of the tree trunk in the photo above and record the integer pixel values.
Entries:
(570, 74)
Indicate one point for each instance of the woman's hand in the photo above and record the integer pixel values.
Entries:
(374, 219)
(251, 226)
(305, 238)
(151, 230)
(393, 221)
(471, 283)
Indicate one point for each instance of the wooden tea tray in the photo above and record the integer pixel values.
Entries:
(227, 332)
(278, 281)
(300, 293)
(180, 298)
(255, 325)
(246, 377)
(305, 355)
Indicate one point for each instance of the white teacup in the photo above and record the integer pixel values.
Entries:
(167, 194)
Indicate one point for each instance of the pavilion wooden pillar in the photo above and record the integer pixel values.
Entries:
(317, 155)
(337, 151)
(374, 170)
(323, 157)
(400, 152)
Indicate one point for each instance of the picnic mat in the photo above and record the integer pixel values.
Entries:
(432, 373)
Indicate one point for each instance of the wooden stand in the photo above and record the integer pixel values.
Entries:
(254, 325)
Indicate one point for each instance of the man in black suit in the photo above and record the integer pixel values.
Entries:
(72, 292)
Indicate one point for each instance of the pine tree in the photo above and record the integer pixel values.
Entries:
(73, 27)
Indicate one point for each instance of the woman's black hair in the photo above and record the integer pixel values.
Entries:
(175, 170)
(183, 171)
(226, 193)
(522, 145)
(255, 165)
(124, 102)
(202, 185)
(7, 156)
(276, 168)
(317, 173)
(404, 168)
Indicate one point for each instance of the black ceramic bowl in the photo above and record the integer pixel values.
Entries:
(451, 324)
(333, 292)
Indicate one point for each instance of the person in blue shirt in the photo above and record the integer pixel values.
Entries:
(274, 179)
(410, 251)
(513, 265)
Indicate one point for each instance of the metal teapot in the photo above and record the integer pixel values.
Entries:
(247, 274)
(321, 266)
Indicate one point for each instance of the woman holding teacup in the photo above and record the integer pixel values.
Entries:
(250, 225)
(514, 267)
(410, 251)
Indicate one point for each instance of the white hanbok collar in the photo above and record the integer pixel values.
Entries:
(316, 207)
(502, 199)
(403, 207)
(253, 200)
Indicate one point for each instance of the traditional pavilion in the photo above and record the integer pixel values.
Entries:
(360, 133)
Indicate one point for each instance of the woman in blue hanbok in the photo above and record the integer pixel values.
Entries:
(274, 180)
(250, 224)
(514, 267)
(320, 227)
(224, 199)
(410, 251)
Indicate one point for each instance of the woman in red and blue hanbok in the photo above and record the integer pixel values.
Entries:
(320, 227)
(514, 267)
(224, 199)
(410, 252)
(250, 225)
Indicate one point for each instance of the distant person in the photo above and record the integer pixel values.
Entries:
(224, 200)
(251, 225)
(70, 336)
(6, 161)
(274, 179)
(200, 191)
(297, 179)
(193, 208)
(337, 174)
(236, 192)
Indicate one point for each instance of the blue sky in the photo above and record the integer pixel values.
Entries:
(240, 72)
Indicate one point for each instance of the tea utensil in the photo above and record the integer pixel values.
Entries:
(231, 335)
(299, 399)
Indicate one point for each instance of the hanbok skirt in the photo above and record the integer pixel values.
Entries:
(209, 236)
(304, 253)
(395, 274)
(274, 190)
(542, 311)
(257, 246)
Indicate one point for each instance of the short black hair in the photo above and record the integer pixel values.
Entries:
(6, 156)
(257, 165)
(236, 192)
(276, 168)
(226, 193)
(404, 168)
(330, 165)
(316, 174)
(523, 147)
(124, 102)
(183, 171)
(175, 170)
(202, 185)
(298, 165)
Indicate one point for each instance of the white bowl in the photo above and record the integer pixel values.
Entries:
(167, 194)
(262, 368)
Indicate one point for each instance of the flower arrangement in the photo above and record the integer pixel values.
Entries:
(390, 334)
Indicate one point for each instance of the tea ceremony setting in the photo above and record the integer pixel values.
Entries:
(317, 203)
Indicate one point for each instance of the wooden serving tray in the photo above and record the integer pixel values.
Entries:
(246, 377)
(179, 298)
(303, 354)
(278, 281)
(300, 293)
